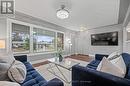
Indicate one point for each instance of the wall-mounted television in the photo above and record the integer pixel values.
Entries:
(105, 39)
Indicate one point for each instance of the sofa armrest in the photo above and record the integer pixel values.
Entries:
(55, 82)
(100, 56)
(83, 76)
(22, 58)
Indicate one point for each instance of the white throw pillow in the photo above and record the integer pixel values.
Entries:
(106, 66)
(119, 62)
(17, 72)
(100, 65)
(7, 83)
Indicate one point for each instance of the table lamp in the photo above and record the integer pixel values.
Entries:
(2, 44)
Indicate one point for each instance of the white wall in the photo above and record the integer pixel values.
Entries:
(84, 41)
(3, 30)
(126, 43)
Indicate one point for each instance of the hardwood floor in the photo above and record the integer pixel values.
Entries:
(74, 56)
(41, 63)
(80, 57)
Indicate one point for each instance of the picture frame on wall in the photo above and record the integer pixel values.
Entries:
(105, 39)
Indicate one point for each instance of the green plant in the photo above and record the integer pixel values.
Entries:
(26, 44)
(59, 55)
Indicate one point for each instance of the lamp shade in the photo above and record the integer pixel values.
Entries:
(2, 44)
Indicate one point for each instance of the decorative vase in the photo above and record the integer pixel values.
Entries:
(60, 58)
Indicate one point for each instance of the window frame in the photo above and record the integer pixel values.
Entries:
(54, 42)
(29, 39)
(63, 41)
(31, 26)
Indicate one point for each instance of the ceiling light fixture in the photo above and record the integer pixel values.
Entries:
(128, 29)
(62, 13)
(83, 29)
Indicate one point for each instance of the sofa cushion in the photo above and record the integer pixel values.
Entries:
(22, 58)
(126, 58)
(6, 60)
(7, 83)
(29, 67)
(128, 74)
(33, 78)
(100, 56)
(93, 64)
(4, 71)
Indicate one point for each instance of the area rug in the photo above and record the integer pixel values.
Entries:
(42, 69)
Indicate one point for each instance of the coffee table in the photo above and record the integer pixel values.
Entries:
(66, 64)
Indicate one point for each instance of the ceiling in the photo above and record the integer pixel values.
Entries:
(83, 13)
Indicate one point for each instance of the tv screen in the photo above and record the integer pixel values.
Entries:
(105, 39)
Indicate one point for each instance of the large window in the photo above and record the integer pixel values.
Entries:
(28, 38)
(20, 38)
(60, 41)
(43, 40)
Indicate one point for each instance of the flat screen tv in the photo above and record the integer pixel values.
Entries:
(105, 39)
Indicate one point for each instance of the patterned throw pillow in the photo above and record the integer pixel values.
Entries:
(119, 62)
(113, 55)
(17, 72)
(116, 59)
(107, 67)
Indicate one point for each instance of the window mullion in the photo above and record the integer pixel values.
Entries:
(56, 42)
(31, 39)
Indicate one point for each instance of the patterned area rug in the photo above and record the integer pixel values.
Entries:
(42, 69)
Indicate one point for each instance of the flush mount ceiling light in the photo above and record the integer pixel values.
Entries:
(62, 13)
(82, 28)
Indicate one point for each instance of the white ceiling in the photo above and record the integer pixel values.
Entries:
(86, 13)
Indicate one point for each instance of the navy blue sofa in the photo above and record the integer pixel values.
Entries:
(88, 76)
(33, 78)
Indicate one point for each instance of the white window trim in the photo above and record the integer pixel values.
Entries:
(30, 53)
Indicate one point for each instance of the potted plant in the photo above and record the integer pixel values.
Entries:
(59, 55)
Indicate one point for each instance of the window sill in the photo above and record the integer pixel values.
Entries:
(35, 53)
(40, 53)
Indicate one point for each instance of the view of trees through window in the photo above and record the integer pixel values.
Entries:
(20, 38)
(60, 41)
(43, 40)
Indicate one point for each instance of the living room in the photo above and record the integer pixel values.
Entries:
(65, 43)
